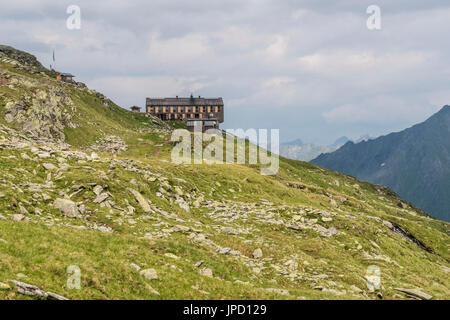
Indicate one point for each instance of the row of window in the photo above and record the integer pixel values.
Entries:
(176, 116)
(171, 109)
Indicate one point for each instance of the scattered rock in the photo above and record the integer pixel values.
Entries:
(224, 250)
(153, 291)
(257, 254)
(17, 217)
(94, 156)
(22, 209)
(101, 197)
(183, 204)
(355, 289)
(402, 205)
(206, 272)
(149, 274)
(135, 266)
(111, 144)
(172, 256)
(415, 293)
(141, 200)
(229, 230)
(283, 292)
(445, 269)
(31, 290)
(4, 286)
(98, 189)
(179, 227)
(67, 207)
(198, 263)
(332, 231)
(43, 155)
(49, 166)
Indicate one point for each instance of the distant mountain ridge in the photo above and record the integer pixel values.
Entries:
(298, 150)
(414, 162)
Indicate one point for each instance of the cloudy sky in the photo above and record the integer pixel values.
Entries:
(310, 68)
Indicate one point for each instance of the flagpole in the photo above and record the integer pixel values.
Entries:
(54, 62)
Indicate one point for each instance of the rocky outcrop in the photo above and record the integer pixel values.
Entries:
(44, 114)
(8, 53)
(415, 293)
(31, 290)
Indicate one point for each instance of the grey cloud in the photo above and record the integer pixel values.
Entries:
(305, 67)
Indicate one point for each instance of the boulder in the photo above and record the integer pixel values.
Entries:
(67, 207)
(141, 200)
(206, 272)
(257, 254)
(49, 166)
(415, 293)
(98, 189)
(4, 286)
(149, 274)
(17, 217)
(101, 197)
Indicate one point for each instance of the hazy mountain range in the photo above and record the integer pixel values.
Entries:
(414, 162)
(298, 150)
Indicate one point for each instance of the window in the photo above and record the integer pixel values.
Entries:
(216, 109)
(179, 109)
(209, 109)
(193, 109)
(171, 109)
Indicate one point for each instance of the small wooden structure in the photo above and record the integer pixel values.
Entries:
(66, 77)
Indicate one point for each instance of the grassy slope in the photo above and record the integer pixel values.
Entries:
(43, 251)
